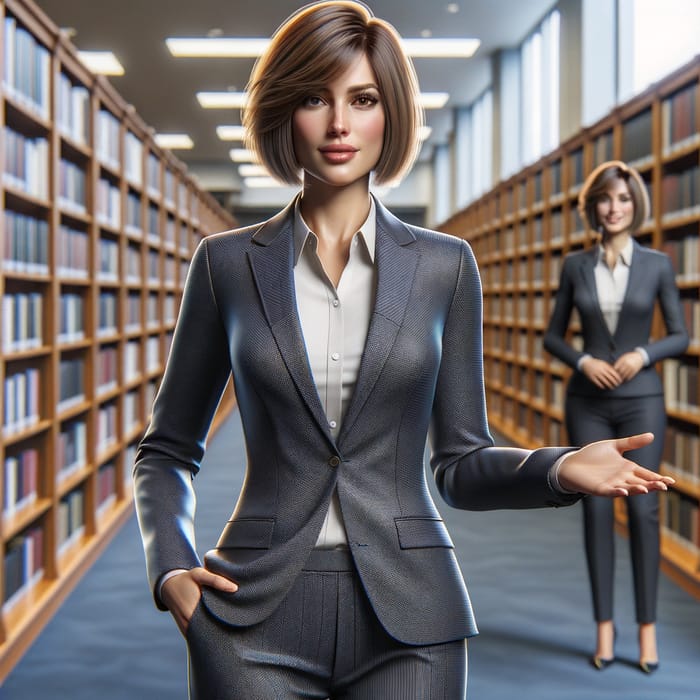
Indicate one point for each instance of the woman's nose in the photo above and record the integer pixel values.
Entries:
(338, 125)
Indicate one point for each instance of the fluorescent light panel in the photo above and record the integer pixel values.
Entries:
(101, 62)
(231, 133)
(253, 170)
(246, 47)
(242, 155)
(262, 182)
(237, 100)
(174, 141)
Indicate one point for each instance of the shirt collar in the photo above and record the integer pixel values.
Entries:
(625, 254)
(367, 232)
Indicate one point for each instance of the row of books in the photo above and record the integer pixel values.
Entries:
(27, 69)
(681, 385)
(132, 411)
(71, 371)
(21, 482)
(132, 364)
(133, 214)
(153, 174)
(107, 314)
(636, 138)
(23, 565)
(107, 139)
(133, 154)
(26, 164)
(108, 204)
(72, 448)
(71, 316)
(71, 187)
(679, 125)
(70, 519)
(21, 407)
(108, 260)
(680, 515)
(106, 369)
(680, 193)
(25, 243)
(22, 321)
(682, 452)
(106, 484)
(153, 354)
(72, 254)
(73, 110)
(684, 256)
(106, 426)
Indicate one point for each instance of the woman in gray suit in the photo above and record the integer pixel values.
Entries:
(615, 287)
(350, 335)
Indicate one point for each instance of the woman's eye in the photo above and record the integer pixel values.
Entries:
(312, 101)
(366, 100)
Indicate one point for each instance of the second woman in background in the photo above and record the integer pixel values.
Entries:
(614, 286)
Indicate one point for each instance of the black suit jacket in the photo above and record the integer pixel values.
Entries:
(651, 279)
(421, 371)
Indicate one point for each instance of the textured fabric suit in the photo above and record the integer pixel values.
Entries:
(421, 372)
(632, 407)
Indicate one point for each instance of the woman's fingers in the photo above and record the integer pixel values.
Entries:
(207, 578)
(633, 442)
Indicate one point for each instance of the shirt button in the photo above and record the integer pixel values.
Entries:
(334, 461)
(333, 424)
(336, 302)
(335, 356)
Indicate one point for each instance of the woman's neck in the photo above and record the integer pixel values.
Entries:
(335, 214)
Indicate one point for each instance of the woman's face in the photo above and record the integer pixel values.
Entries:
(615, 208)
(339, 132)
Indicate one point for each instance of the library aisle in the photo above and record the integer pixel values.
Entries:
(525, 573)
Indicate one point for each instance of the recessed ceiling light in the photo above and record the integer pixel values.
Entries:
(247, 47)
(434, 100)
(253, 170)
(231, 133)
(429, 47)
(222, 100)
(242, 155)
(452, 8)
(174, 141)
(101, 62)
(262, 182)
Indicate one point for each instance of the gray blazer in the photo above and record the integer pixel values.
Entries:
(651, 278)
(421, 371)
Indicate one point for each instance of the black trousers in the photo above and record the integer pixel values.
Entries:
(324, 641)
(589, 419)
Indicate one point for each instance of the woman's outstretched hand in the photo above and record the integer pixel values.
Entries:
(599, 469)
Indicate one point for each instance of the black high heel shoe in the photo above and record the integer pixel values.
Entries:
(599, 663)
(649, 667)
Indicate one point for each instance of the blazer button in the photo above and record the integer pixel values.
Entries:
(334, 461)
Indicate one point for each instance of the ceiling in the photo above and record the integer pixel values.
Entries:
(162, 88)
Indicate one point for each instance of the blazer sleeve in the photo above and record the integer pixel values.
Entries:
(471, 473)
(555, 336)
(170, 453)
(676, 339)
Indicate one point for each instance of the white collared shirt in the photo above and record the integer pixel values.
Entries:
(334, 322)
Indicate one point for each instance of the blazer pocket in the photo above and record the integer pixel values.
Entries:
(422, 532)
(248, 533)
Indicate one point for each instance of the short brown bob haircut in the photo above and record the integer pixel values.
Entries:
(309, 50)
(598, 183)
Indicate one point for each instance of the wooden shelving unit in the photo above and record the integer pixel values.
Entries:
(520, 232)
(99, 225)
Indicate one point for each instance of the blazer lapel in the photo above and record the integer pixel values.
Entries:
(588, 274)
(396, 261)
(271, 261)
(637, 278)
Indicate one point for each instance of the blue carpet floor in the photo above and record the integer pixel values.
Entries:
(524, 570)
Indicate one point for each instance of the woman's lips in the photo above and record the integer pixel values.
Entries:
(338, 153)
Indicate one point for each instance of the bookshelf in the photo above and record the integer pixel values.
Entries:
(520, 232)
(98, 228)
